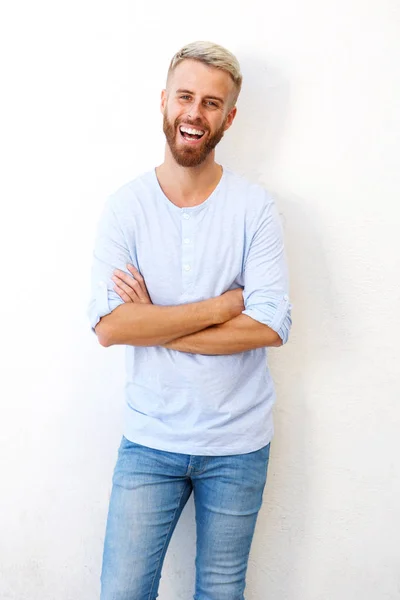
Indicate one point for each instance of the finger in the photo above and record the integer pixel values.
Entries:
(137, 276)
(126, 279)
(128, 289)
(135, 272)
(128, 295)
(133, 284)
(122, 294)
(143, 293)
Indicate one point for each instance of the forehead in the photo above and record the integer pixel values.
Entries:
(201, 79)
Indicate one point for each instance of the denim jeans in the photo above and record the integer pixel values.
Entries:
(150, 489)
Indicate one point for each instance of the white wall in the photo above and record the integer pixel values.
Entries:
(319, 125)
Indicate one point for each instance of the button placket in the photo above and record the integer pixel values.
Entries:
(187, 248)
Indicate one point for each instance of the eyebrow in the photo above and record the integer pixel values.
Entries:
(181, 91)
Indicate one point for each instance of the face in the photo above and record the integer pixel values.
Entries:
(197, 110)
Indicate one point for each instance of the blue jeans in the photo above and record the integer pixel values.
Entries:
(150, 489)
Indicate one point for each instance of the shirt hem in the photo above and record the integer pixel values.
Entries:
(198, 450)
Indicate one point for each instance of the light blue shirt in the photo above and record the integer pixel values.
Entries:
(194, 403)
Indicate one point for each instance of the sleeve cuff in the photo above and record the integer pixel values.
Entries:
(101, 305)
(276, 315)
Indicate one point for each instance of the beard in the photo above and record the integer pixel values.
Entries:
(187, 156)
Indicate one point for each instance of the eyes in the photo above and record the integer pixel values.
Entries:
(207, 103)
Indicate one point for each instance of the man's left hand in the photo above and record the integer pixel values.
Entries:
(131, 288)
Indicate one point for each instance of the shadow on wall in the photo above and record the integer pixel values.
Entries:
(277, 565)
(252, 143)
(251, 147)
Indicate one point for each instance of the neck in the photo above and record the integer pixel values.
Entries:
(188, 186)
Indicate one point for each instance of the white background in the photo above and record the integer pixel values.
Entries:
(319, 126)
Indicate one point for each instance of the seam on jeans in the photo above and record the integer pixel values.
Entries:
(166, 541)
(196, 472)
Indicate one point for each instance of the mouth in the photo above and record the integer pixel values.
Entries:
(191, 134)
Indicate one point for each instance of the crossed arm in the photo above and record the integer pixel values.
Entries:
(236, 335)
(215, 326)
(126, 314)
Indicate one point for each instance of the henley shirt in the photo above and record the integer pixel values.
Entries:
(194, 403)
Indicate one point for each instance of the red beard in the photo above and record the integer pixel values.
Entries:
(187, 156)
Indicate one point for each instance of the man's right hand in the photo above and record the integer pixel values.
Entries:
(230, 304)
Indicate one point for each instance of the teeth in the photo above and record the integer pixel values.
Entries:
(192, 131)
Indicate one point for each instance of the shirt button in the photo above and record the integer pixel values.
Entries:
(186, 216)
(286, 297)
(187, 241)
(187, 267)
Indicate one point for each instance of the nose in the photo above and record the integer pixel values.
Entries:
(195, 111)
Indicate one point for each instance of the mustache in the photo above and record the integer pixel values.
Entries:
(196, 123)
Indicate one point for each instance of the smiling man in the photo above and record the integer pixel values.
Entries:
(189, 274)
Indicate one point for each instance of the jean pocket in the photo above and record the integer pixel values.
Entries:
(126, 444)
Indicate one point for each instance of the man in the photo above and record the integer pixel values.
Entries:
(189, 273)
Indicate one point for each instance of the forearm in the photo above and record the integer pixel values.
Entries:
(240, 334)
(152, 325)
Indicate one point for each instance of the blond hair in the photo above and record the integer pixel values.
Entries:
(213, 55)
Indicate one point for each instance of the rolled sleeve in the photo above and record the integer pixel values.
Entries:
(101, 303)
(110, 252)
(266, 283)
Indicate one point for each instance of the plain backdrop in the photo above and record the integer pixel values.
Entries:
(319, 125)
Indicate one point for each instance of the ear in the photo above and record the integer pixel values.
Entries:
(163, 100)
(231, 116)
